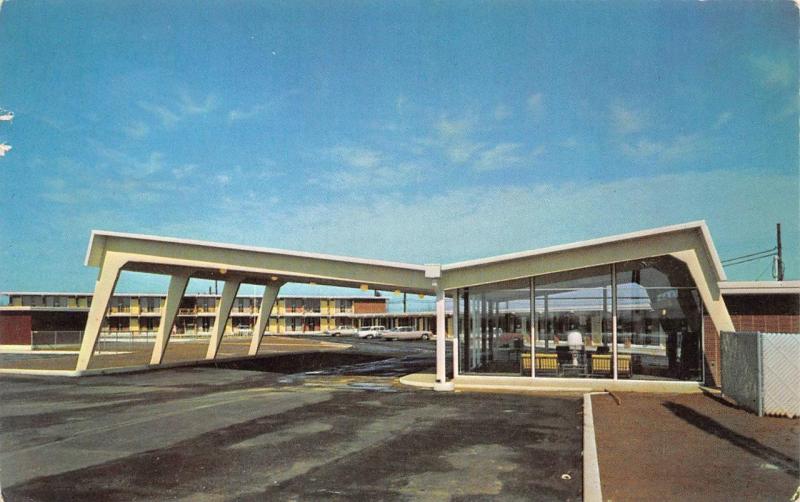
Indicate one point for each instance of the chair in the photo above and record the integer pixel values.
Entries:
(601, 365)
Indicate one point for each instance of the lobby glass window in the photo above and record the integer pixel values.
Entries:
(494, 327)
(659, 319)
(573, 312)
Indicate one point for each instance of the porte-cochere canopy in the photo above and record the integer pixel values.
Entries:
(606, 290)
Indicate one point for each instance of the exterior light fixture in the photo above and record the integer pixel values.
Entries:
(421, 296)
(364, 287)
(223, 271)
(312, 283)
(397, 292)
(273, 278)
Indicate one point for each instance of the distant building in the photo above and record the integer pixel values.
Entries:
(140, 314)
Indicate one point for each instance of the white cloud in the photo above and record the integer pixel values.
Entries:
(492, 220)
(129, 165)
(460, 152)
(222, 179)
(626, 120)
(534, 102)
(401, 104)
(774, 72)
(183, 171)
(502, 112)
(167, 117)
(502, 156)
(357, 168)
(450, 128)
(186, 107)
(236, 114)
(723, 119)
(189, 106)
(136, 130)
(356, 156)
(679, 148)
(4, 149)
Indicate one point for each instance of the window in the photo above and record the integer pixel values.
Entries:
(658, 335)
(495, 327)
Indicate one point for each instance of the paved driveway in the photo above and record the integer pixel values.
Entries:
(224, 434)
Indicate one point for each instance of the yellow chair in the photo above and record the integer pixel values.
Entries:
(545, 363)
(601, 365)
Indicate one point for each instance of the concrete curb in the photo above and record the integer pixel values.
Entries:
(592, 491)
(571, 385)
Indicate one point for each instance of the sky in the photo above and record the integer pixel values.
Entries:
(425, 132)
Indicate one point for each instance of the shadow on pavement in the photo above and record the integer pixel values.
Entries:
(750, 445)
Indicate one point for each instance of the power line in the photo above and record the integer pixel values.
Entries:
(749, 255)
(749, 260)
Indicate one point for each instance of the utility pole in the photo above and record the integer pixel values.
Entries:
(780, 255)
(404, 303)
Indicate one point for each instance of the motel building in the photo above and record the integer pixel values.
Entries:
(42, 319)
(631, 311)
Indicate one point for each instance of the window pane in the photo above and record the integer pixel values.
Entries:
(494, 327)
(659, 319)
(573, 323)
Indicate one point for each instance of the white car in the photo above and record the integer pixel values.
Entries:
(341, 331)
(406, 333)
(370, 331)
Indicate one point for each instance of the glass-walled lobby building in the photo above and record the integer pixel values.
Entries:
(640, 319)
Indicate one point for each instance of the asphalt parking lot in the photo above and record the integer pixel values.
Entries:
(340, 431)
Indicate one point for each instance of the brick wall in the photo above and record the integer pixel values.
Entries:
(767, 323)
(369, 307)
(785, 323)
(15, 328)
(712, 356)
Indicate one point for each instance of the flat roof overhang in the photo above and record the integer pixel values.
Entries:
(251, 265)
(687, 242)
(257, 265)
(760, 287)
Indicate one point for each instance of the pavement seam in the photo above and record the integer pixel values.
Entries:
(592, 491)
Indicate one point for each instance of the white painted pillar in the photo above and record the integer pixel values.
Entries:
(223, 312)
(456, 313)
(614, 373)
(440, 337)
(441, 348)
(103, 289)
(267, 301)
(177, 287)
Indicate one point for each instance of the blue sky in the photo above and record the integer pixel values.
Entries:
(413, 131)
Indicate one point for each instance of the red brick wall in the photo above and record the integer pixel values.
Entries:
(785, 323)
(369, 307)
(712, 355)
(15, 329)
(779, 323)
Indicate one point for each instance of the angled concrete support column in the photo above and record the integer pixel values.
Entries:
(177, 286)
(709, 291)
(223, 312)
(267, 301)
(103, 289)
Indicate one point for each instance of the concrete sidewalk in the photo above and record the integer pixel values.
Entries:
(693, 447)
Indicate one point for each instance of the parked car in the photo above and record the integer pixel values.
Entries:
(370, 331)
(341, 331)
(406, 333)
